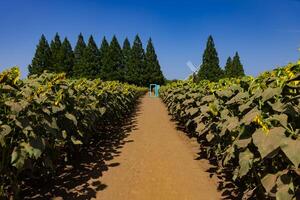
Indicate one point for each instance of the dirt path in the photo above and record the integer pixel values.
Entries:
(159, 163)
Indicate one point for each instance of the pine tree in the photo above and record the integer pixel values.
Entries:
(78, 57)
(55, 53)
(238, 69)
(210, 68)
(126, 55)
(228, 68)
(91, 60)
(66, 58)
(153, 73)
(112, 62)
(42, 57)
(103, 51)
(104, 47)
(136, 63)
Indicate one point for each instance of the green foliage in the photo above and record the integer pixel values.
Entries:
(153, 73)
(47, 117)
(126, 50)
(91, 60)
(234, 67)
(42, 58)
(109, 62)
(250, 127)
(104, 48)
(136, 65)
(112, 62)
(78, 56)
(210, 69)
(66, 58)
(56, 57)
(228, 68)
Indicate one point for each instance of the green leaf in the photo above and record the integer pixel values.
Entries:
(208, 98)
(75, 141)
(291, 149)
(14, 106)
(4, 131)
(71, 117)
(192, 111)
(282, 119)
(30, 150)
(233, 123)
(270, 93)
(225, 93)
(285, 188)
(245, 106)
(277, 106)
(238, 98)
(102, 110)
(210, 137)
(269, 182)
(18, 158)
(229, 154)
(242, 143)
(245, 161)
(249, 117)
(268, 143)
(38, 146)
(64, 134)
(200, 127)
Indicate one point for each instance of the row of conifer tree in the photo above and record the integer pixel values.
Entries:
(210, 68)
(110, 61)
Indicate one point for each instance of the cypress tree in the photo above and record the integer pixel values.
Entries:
(104, 47)
(136, 63)
(153, 73)
(238, 69)
(55, 53)
(126, 55)
(66, 59)
(42, 57)
(112, 62)
(228, 68)
(103, 51)
(210, 68)
(91, 60)
(78, 57)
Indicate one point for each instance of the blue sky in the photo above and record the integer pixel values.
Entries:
(266, 33)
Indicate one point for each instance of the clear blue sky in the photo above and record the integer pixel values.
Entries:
(266, 33)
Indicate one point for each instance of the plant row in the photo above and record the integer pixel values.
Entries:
(249, 127)
(48, 117)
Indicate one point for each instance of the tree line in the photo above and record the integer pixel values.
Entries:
(110, 61)
(210, 68)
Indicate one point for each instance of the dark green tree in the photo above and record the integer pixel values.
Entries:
(104, 47)
(103, 51)
(112, 62)
(126, 55)
(66, 58)
(136, 64)
(228, 68)
(238, 69)
(210, 68)
(153, 73)
(78, 57)
(55, 53)
(91, 60)
(42, 57)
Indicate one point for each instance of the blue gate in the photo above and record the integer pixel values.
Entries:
(156, 89)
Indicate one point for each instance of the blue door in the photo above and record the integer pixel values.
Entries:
(155, 88)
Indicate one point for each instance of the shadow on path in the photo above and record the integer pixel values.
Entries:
(82, 180)
(229, 191)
